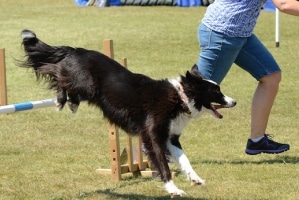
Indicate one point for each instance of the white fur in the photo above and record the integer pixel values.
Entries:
(27, 34)
(172, 189)
(176, 128)
(175, 82)
(177, 124)
(183, 162)
(231, 102)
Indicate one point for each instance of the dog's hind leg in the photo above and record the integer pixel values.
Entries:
(61, 98)
(73, 102)
(156, 152)
(177, 154)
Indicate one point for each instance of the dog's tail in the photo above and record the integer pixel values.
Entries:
(43, 58)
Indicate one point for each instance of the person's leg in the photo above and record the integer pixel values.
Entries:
(259, 62)
(262, 102)
(217, 53)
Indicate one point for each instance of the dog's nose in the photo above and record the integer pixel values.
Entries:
(234, 103)
(230, 102)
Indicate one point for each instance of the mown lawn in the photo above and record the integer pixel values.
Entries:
(46, 154)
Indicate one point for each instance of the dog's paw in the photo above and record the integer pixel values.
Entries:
(195, 179)
(73, 107)
(178, 193)
(59, 106)
(173, 190)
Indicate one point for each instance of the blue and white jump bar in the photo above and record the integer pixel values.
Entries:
(27, 106)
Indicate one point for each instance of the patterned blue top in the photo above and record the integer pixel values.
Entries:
(234, 18)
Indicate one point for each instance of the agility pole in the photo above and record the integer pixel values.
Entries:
(3, 96)
(27, 106)
(277, 27)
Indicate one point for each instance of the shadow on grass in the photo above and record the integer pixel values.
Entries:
(110, 193)
(276, 160)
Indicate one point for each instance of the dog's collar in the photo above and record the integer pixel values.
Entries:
(184, 98)
(178, 86)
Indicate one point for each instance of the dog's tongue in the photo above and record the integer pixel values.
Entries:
(217, 114)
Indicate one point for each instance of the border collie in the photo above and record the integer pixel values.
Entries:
(156, 110)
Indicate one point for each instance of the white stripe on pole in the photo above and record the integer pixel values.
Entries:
(44, 103)
(7, 109)
(276, 27)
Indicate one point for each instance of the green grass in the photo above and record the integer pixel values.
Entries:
(46, 154)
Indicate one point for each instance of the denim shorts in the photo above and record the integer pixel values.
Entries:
(218, 52)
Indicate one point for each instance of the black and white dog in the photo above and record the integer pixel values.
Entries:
(156, 110)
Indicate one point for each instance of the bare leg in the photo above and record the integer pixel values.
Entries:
(262, 103)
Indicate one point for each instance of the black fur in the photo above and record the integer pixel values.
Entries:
(134, 102)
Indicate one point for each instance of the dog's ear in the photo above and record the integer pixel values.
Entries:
(192, 78)
(194, 70)
(188, 75)
(194, 74)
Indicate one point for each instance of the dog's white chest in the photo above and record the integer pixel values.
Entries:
(177, 125)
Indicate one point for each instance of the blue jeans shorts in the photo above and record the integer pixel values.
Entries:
(218, 52)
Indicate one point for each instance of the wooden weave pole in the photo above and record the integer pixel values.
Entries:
(3, 95)
(132, 155)
(113, 130)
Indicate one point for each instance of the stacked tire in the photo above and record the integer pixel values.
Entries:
(206, 2)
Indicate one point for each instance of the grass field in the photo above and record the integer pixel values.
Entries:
(46, 154)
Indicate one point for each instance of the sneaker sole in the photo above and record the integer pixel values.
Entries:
(255, 152)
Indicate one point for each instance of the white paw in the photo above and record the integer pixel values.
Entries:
(173, 190)
(178, 193)
(195, 179)
(59, 106)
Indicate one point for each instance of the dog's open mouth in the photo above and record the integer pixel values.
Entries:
(215, 107)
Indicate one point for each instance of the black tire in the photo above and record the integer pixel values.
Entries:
(207, 2)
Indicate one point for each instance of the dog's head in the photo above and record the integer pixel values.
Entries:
(205, 94)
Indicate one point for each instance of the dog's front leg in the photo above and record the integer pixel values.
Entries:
(172, 189)
(156, 154)
(181, 159)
